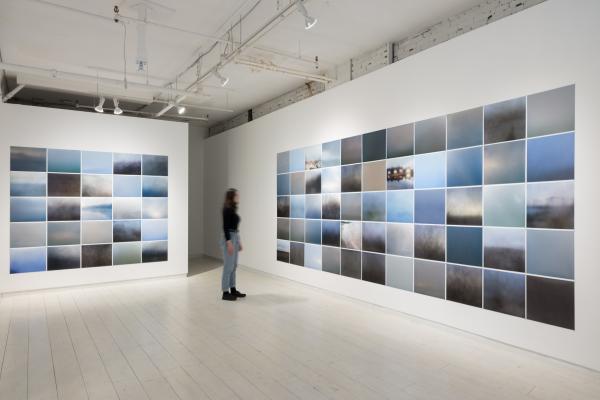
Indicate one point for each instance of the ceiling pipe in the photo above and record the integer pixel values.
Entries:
(12, 93)
(146, 113)
(283, 70)
(56, 74)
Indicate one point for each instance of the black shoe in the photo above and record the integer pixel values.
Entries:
(235, 292)
(229, 296)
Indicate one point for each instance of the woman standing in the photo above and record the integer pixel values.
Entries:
(232, 245)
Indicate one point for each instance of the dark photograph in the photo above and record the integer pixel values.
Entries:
(550, 205)
(350, 263)
(96, 256)
(63, 257)
(551, 301)
(64, 185)
(464, 285)
(373, 237)
(331, 233)
(313, 182)
(127, 164)
(352, 178)
(296, 254)
(374, 146)
(27, 159)
(62, 209)
(283, 206)
(155, 165)
(63, 233)
(155, 251)
(352, 150)
(373, 268)
(127, 231)
(504, 292)
(400, 173)
(283, 228)
(505, 121)
(331, 206)
(374, 176)
(351, 206)
(283, 162)
(552, 111)
(430, 242)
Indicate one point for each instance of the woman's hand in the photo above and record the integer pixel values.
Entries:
(240, 246)
(229, 247)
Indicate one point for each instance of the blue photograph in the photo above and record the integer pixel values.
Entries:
(551, 158)
(373, 237)
(155, 186)
(430, 170)
(64, 233)
(312, 206)
(312, 231)
(27, 159)
(28, 184)
(127, 186)
(464, 245)
(96, 209)
(465, 128)
(430, 135)
(504, 248)
(465, 167)
(155, 165)
(283, 184)
(155, 251)
(505, 163)
(351, 206)
(96, 162)
(27, 260)
(331, 154)
(331, 206)
(331, 180)
(331, 233)
(552, 111)
(297, 160)
(430, 206)
(127, 164)
(312, 157)
(312, 256)
(352, 178)
(155, 207)
(157, 229)
(551, 253)
(400, 206)
(64, 161)
(27, 209)
(297, 206)
(373, 206)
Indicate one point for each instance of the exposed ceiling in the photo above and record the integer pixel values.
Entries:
(81, 37)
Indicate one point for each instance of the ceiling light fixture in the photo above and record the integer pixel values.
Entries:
(309, 21)
(224, 80)
(118, 110)
(180, 110)
(100, 107)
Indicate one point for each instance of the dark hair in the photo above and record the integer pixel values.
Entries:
(230, 199)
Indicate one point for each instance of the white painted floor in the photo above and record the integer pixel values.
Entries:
(175, 339)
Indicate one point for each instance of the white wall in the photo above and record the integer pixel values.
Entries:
(61, 129)
(197, 134)
(548, 46)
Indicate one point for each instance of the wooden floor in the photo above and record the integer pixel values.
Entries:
(175, 339)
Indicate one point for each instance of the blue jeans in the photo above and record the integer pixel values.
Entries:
(230, 262)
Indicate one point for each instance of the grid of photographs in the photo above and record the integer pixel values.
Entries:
(474, 207)
(80, 209)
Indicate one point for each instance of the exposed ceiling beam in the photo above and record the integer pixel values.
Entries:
(284, 70)
(12, 93)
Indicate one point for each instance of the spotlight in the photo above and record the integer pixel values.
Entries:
(180, 110)
(309, 21)
(99, 108)
(118, 110)
(224, 80)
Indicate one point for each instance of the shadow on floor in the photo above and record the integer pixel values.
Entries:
(199, 265)
(271, 299)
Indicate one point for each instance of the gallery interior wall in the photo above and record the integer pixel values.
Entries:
(197, 134)
(62, 129)
(548, 46)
